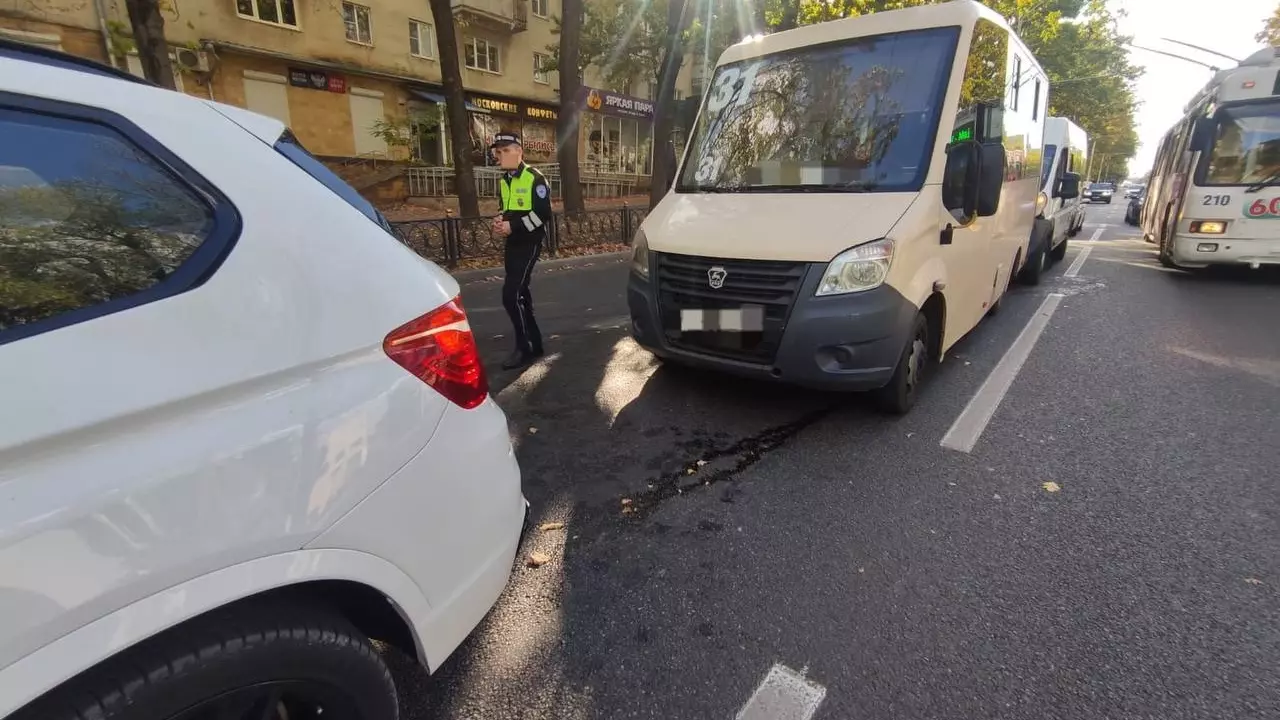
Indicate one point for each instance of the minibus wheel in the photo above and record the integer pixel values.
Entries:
(899, 396)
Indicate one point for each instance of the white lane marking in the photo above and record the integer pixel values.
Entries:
(968, 427)
(1097, 233)
(1076, 264)
(784, 694)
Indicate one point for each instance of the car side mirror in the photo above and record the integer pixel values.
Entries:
(1069, 186)
(990, 178)
(960, 180)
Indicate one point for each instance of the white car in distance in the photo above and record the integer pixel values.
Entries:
(244, 429)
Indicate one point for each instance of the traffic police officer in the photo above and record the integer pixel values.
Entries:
(526, 214)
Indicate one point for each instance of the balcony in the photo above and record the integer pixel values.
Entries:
(511, 16)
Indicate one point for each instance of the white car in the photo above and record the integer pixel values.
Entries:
(243, 429)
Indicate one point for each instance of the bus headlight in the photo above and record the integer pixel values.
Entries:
(1208, 227)
(640, 254)
(859, 268)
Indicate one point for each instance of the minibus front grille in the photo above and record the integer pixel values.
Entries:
(686, 282)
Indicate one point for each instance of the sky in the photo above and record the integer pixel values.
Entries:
(1227, 26)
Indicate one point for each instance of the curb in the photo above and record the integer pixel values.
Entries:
(479, 275)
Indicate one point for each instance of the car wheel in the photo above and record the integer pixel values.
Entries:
(1059, 252)
(1036, 264)
(899, 396)
(260, 661)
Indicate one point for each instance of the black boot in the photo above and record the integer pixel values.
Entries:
(518, 359)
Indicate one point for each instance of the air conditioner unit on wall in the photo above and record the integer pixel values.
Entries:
(193, 60)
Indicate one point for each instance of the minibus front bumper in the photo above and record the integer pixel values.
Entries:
(837, 342)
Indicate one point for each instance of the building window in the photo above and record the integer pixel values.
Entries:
(422, 41)
(540, 74)
(482, 55)
(356, 18)
(540, 7)
(276, 12)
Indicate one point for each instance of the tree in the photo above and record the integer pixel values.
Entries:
(664, 110)
(148, 37)
(570, 114)
(464, 177)
(1270, 33)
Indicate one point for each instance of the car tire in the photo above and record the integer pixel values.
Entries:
(239, 660)
(1037, 262)
(899, 396)
(1059, 252)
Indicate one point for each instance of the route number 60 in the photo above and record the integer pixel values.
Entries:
(1264, 208)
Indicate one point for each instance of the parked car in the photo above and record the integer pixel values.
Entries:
(1134, 191)
(1101, 192)
(245, 429)
(1133, 212)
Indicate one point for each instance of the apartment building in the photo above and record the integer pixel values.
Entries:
(333, 69)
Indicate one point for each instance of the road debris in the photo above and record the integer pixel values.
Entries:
(548, 527)
(1051, 486)
(538, 559)
(1253, 581)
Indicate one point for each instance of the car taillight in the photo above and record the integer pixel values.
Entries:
(440, 350)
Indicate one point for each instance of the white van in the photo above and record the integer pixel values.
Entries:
(855, 197)
(1060, 208)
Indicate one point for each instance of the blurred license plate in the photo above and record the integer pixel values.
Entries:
(749, 318)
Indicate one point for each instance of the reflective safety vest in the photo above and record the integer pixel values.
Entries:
(517, 192)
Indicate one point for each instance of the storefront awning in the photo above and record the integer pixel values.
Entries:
(427, 95)
(433, 97)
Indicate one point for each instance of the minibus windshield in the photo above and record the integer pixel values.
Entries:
(857, 116)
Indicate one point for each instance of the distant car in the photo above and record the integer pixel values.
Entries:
(246, 431)
(1134, 191)
(1101, 192)
(1133, 213)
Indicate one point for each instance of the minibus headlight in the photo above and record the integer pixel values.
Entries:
(859, 268)
(640, 254)
(1042, 201)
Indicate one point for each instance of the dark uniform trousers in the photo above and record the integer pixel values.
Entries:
(521, 255)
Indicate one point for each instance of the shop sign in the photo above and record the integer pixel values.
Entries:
(317, 80)
(611, 103)
(535, 112)
(506, 107)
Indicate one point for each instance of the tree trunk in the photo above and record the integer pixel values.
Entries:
(664, 112)
(148, 36)
(464, 176)
(570, 113)
(790, 15)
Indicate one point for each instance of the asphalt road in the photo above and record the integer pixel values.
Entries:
(1109, 549)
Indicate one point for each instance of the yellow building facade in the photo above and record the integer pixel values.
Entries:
(337, 71)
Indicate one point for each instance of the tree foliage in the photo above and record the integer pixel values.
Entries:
(626, 39)
(1270, 32)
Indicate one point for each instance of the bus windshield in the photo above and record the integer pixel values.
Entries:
(858, 116)
(1246, 146)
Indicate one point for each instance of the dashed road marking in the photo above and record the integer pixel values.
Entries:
(1076, 264)
(1097, 233)
(968, 427)
(784, 694)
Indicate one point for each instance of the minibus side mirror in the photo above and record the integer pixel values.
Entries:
(1069, 186)
(960, 179)
(990, 178)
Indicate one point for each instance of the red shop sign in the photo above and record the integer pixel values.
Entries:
(337, 84)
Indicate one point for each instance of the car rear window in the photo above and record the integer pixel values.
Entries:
(88, 218)
(289, 146)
